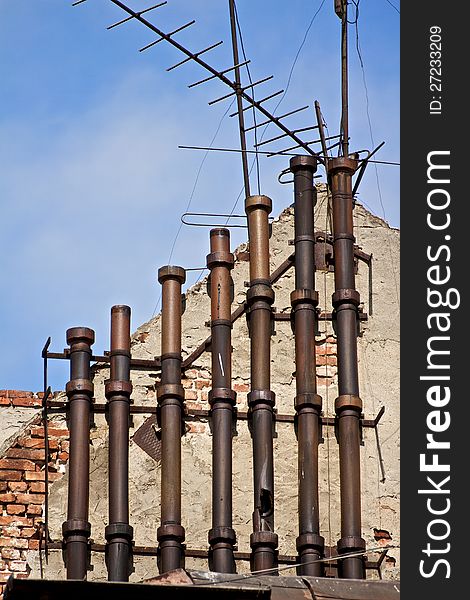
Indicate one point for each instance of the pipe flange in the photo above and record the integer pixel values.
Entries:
(171, 355)
(79, 386)
(222, 535)
(351, 543)
(310, 540)
(304, 238)
(261, 399)
(225, 395)
(171, 272)
(170, 390)
(260, 202)
(346, 295)
(342, 163)
(117, 386)
(220, 259)
(260, 291)
(307, 296)
(308, 400)
(263, 538)
(298, 163)
(170, 531)
(118, 530)
(348, 401)
(76, 527)
(80, 335)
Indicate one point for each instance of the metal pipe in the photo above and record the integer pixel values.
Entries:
(118, 391)
(170, 395)
(348, 405)
(308, 404)
(222, 398)
(261, 399)
(76, 529)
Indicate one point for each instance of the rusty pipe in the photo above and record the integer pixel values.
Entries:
(222, 398)
(348, 405)
(170, 396)
(261, 399)
(118, 389)
(308, 404)
(76, 529)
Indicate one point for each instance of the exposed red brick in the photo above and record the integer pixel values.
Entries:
(191, 373)
(17, 464)
(6, 498)
(27, 532)
(3, 486)
(322, 360)
(15, 509)
(193, 406)
(187, 383)
(52, 431)
(34, 509)
(27, 402)
(241, 387)
(4, 575)
(3, 565)
(33, 544)
(28, 442)
(37, 487)
(5, 401)
(18, 486)
(12, 542)
(202, 383)
(10, 475)
(204, 396)
(10, 531)
(190, 395)
(64, 445)
(17, 521)
(30, 498)
(10, 553)
(29, 453)
(196, 428)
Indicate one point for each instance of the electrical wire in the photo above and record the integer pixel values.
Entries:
(393, 5)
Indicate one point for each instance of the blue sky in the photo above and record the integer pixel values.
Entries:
(92, 183)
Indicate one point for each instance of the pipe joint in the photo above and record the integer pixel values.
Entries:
(348, 402)
(222, 535)
(79, 386)
(76, 528)
(261, 399)
(171, 272)
(258, 202)
(80, 336)
(310, 541)
(118, 532)
(168, 391)
(351, 543)
(346, 296)
(260, 290)
(120, 352)
(304, 296)
(220, 259)
(344, 236)
(170, 532)
(342, 164)
(304, 238)
(303, 163)
(308, 400)
(224, 322)
(263, 538)
(115, 387)
(222, 395)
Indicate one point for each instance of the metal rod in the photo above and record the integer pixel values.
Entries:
(239, 92)
(344, 79)
(265, 99)
(187, 59)
(321, 130)
(45, 420)
(118, 389)
(348, 405)
(222, 399)
(242, 64)
(308, 404)
(261, 399)
(170, 395)
(141, 12)
(76, 529)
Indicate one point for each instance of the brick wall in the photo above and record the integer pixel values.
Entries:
(22, 485)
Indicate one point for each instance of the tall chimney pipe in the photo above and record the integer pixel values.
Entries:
(222, 398)
(76, 529)
(348, 405)
(118, 389)
(170, 394)
(261, 399)
(308, 404)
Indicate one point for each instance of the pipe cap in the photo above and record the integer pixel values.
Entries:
(171, 272)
